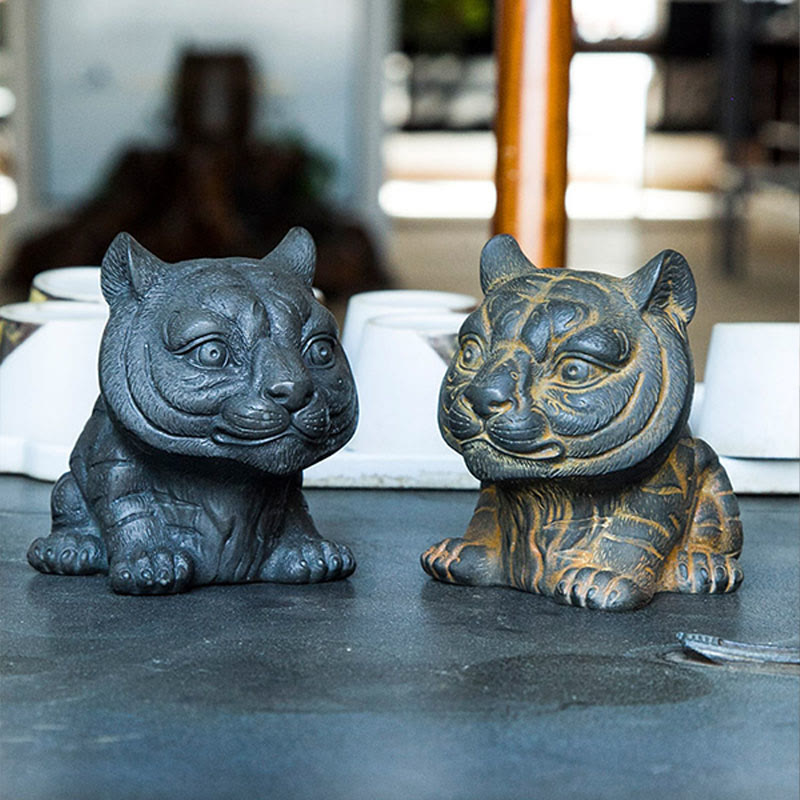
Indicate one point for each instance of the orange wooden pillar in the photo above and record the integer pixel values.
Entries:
(534, 47)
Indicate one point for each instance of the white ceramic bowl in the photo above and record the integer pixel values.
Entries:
(361, 307)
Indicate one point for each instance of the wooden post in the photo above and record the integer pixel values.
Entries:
(534, 47)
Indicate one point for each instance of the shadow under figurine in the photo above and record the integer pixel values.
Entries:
(568, 398)
(221, 380)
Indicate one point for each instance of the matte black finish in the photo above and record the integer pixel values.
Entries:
(389, 685)
(221, 380)
(568, 397)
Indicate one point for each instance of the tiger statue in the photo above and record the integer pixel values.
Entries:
(221, 380)
(568, 398)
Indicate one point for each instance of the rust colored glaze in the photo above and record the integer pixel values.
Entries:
(568, 398)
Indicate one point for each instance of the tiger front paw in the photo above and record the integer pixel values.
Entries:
(699, 572)
(68, 554)
(460, 561)
(310, 560)
(151, 572)
(600, 589)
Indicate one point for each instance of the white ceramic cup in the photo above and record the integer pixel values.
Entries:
(399, 371)
(48, 382)
(751, 401)
(362, 307)
(81, 284)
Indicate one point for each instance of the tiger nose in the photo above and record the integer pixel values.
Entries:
(491, 397)
(292, 395)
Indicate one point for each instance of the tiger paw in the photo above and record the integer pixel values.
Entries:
(68, 554)
(152, 572)
(590, 587)
(310, 560)
(459, 561)
(698, 572)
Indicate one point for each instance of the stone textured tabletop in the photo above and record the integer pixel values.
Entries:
(389, 685)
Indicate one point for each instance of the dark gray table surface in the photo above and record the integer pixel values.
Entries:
(388, 685)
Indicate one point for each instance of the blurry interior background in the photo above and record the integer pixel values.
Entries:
(208, 129)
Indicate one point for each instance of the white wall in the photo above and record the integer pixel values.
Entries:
(106, 68)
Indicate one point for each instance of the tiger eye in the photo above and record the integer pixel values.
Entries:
(576, 371)
(320, 353)
(471, 355)
(211, 354)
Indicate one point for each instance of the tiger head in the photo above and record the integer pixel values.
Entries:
(562, 374)
(225, 360)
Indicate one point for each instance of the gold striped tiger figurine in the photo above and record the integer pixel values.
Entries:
(568, 398)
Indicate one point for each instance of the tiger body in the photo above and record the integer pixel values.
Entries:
(541, 538)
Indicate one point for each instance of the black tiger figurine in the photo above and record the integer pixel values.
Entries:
(568, 398)
(221, 380)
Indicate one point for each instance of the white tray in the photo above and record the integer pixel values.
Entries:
(348, 468)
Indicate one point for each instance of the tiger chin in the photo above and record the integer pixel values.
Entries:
(221, 380)
(568, 398)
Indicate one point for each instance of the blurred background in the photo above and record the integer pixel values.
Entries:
(208, 130)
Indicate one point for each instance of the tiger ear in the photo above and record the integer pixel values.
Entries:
(297, 253)
(128, 269)
(502, 260)
(664, 283)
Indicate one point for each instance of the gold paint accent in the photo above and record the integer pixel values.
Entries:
(663, 491)
(649, 522)
(649, 548)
